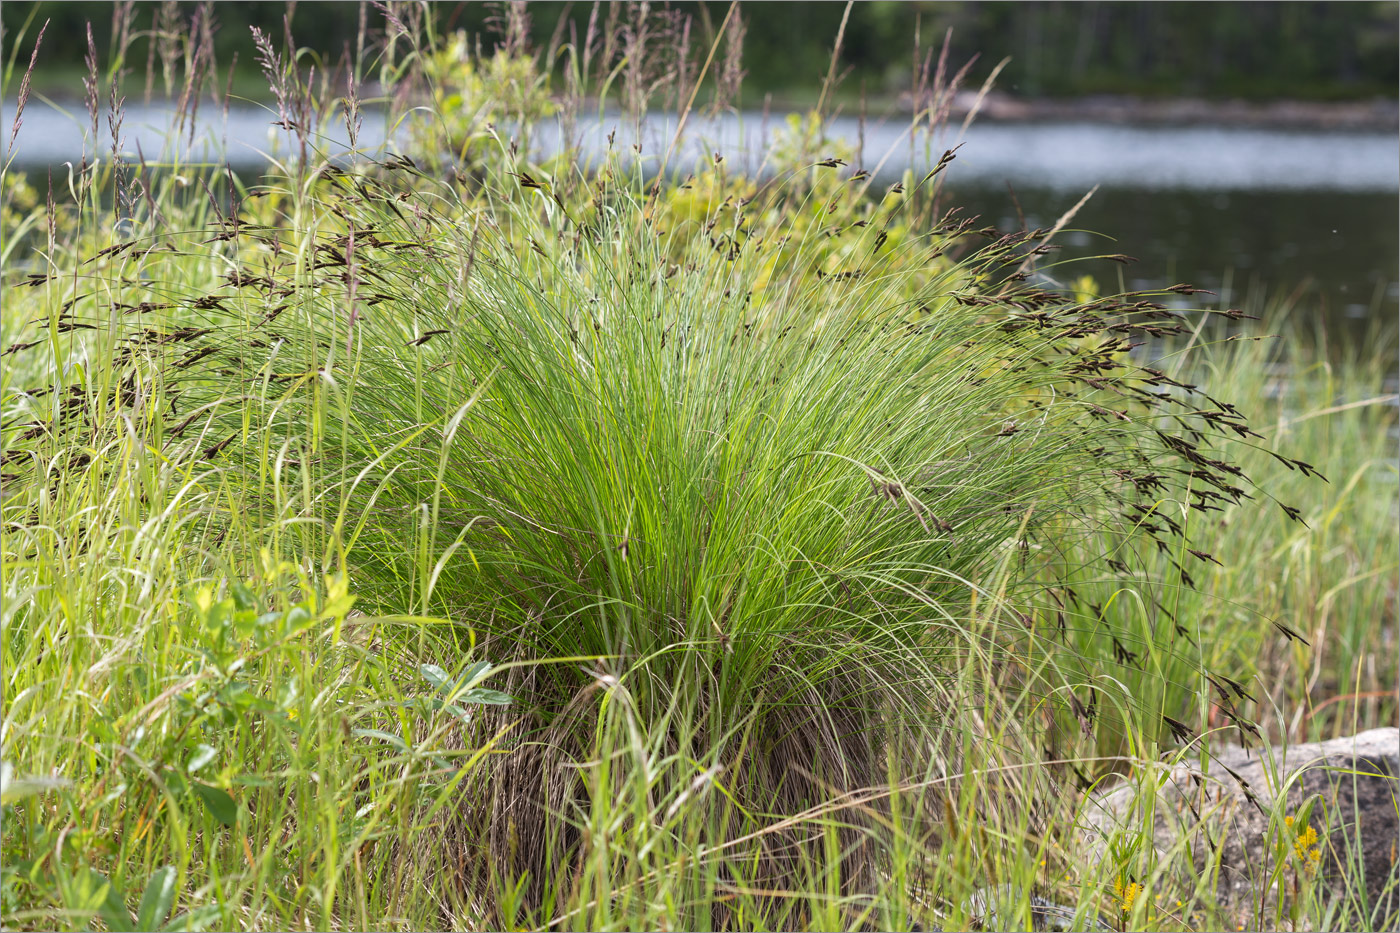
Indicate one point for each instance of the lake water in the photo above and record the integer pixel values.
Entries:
(1241, 211)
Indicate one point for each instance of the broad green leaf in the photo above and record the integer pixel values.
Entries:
(338, 598)
(383, 736)
(112, 908)
(457, 711)
(435, 676)
(288, 693)
(476, 672)
(198, 919)
(220, 805)
(179, 787)
(86, 892)
(113, 794)
(14, 788)
(203, 754)
(243, 598)
(218, 615)
(245, 624)
(253, 780)
(158, 899)
(484, 697)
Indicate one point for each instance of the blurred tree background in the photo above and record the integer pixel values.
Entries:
(1251, 50)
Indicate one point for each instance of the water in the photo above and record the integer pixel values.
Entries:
(1240, 211)
(1334, 252)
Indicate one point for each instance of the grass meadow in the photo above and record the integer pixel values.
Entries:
(449, 539)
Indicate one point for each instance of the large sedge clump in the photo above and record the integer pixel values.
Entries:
(751, 469)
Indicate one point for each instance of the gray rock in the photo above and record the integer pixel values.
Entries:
(1355, 782)
(992, 908)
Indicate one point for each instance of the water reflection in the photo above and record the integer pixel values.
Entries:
(1339, 252)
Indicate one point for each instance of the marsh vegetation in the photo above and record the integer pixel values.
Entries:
(452, 539)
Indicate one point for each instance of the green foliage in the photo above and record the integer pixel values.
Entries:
(472, 96)
(1240, 50)
(766, 502)
(765, 469)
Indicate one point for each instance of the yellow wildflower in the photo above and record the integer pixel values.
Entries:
(1127, 893)
(1306, 845)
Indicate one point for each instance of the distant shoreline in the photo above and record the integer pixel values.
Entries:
(1378, 114)
(1373, 115)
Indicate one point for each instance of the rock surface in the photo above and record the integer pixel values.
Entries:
(992, 908)
(1355, 782)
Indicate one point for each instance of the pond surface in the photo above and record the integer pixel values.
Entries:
(1241, 211)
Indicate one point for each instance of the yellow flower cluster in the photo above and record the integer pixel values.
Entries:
(1306, 846)
(1127, 893)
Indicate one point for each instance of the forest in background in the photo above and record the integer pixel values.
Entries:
(1252, 51)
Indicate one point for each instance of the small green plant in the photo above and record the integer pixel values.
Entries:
(474, 98)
